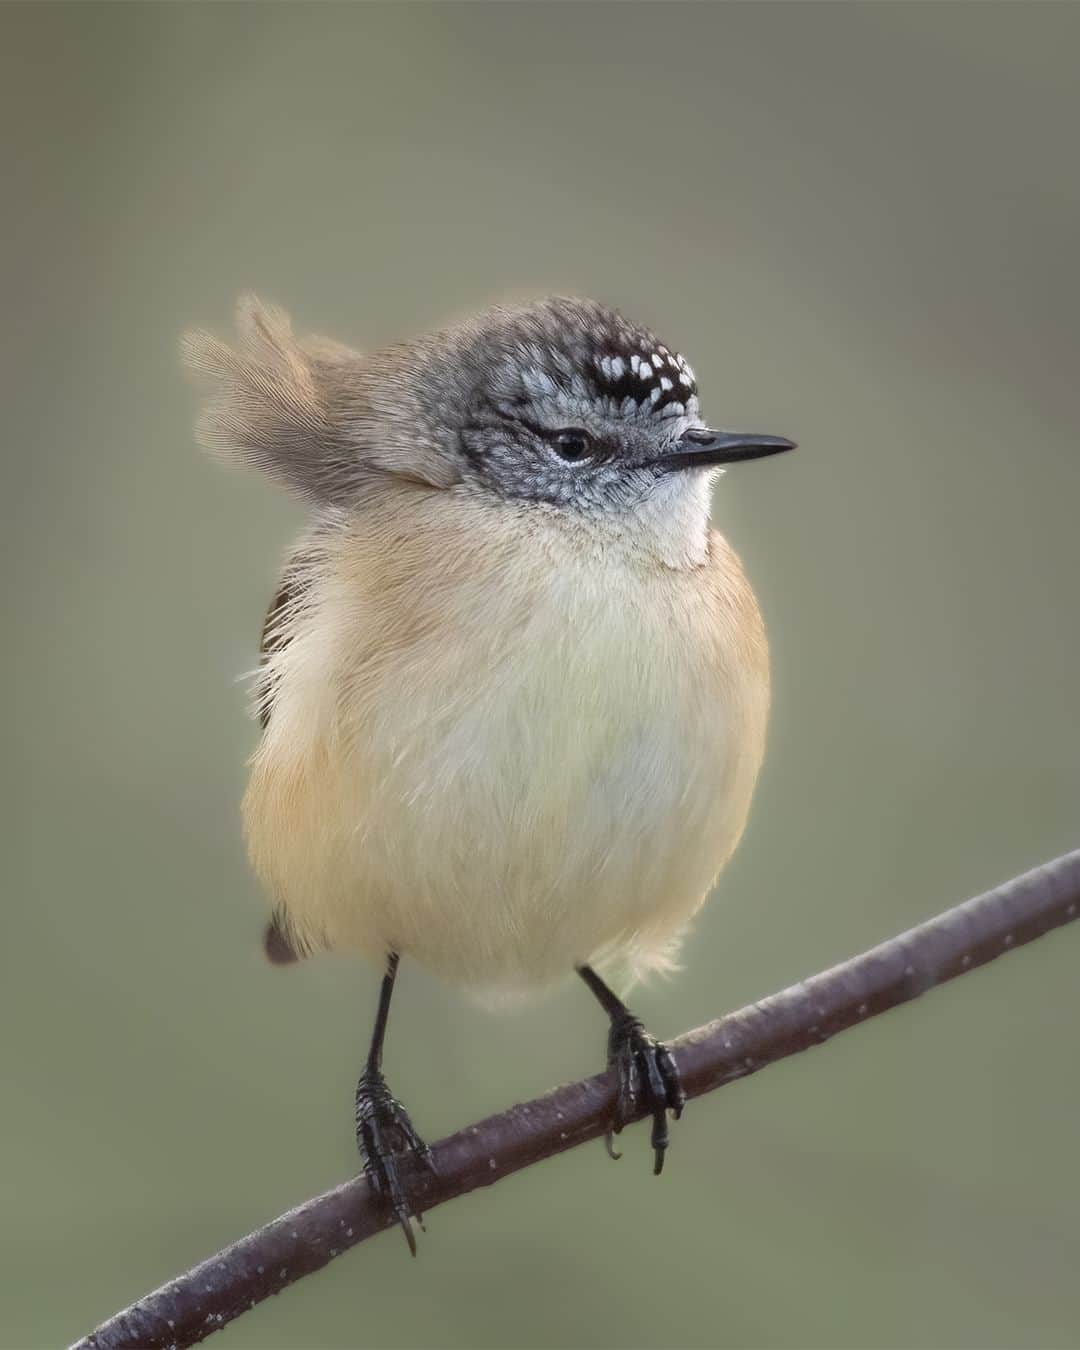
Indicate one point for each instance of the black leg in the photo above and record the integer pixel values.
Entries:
(384, 1131)
(645, 1071)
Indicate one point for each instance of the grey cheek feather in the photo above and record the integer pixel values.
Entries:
(537, 383)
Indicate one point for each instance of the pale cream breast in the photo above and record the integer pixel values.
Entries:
(503, 745)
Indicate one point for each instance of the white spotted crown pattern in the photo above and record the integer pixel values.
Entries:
(661, 378)
(629, 364)
(572, 351)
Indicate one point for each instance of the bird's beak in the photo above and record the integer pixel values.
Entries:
(702, 448)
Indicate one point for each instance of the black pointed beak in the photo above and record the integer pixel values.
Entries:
(702, 448)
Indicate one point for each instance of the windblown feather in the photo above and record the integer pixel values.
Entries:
(278, 402)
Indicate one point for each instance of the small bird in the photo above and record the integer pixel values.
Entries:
(513, 686)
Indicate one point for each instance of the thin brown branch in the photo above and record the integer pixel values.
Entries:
(189, 1308)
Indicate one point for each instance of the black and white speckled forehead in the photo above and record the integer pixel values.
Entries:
(574, 352)
(650, 377)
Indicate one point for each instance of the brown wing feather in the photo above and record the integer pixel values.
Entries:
(275, 634)
(274, 638)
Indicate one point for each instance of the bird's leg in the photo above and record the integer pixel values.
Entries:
(384, 1131)
(645, 1071)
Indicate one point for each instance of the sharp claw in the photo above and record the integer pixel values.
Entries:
(659, 1139)
(609, 1144)
(407, 1229)
(400, 1205)
(646, 1076)
(384, 1133)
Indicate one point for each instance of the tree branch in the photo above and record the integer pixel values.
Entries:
(187, 1309)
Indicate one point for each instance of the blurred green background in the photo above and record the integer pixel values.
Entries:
(860, 223)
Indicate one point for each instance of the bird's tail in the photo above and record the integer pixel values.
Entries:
(275, 401)
(277, 945)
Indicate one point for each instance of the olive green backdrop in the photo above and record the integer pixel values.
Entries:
(860, 223)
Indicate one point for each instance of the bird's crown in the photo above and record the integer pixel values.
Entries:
(567, 350)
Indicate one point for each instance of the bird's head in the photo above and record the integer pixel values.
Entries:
(565, 402)
(562, 403)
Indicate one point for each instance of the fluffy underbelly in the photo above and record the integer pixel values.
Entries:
(500, 835)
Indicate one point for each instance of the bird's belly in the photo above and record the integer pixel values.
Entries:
(545, 826)
(501, 810)
(570, 807)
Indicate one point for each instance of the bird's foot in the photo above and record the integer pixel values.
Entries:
(646, 1075)
(386, 1137)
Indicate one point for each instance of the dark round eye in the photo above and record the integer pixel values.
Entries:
(572, 443)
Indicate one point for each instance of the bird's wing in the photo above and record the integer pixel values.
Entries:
(277, 631)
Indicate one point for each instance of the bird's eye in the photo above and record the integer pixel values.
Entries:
(572, 443)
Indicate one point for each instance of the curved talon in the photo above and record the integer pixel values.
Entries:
(385, 1135)
(609, 1144)
(646, 1077)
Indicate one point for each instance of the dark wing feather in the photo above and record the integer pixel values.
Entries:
(275, 631)
(275, 638)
